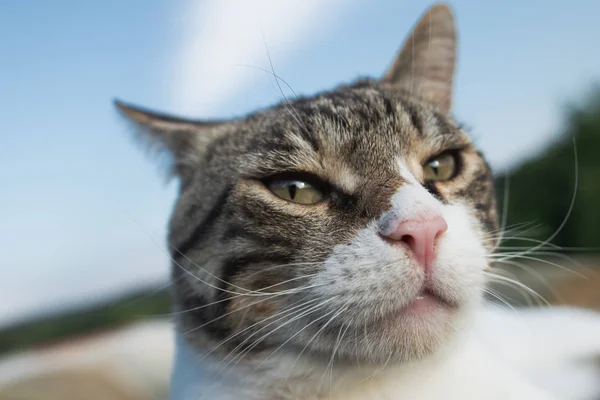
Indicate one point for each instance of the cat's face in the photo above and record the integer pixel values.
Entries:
(357, 221)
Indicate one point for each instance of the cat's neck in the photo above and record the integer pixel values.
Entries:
(465, 371)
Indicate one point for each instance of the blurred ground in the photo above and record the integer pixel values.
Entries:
(130, 363)
(580, 293)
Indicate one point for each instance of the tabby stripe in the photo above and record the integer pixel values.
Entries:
(235, 231)
(233, 265)
(390, 110)
(443, 127)
(229, 269)
(202, 315)
(415, 117)
(310, 138)
(203, 227)
(431, 188)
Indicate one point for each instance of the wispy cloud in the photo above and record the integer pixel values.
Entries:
(222, 35)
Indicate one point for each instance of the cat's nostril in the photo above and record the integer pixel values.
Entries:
(408, 239)
(421, 237)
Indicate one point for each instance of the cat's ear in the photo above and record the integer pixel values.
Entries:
(426, 62)
(183, 140)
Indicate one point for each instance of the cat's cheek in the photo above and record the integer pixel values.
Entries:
(458, 270)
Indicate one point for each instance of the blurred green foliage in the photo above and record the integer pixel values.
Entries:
(110, 314)
(541, 189)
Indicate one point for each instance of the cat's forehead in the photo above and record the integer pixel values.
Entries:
(363, 130)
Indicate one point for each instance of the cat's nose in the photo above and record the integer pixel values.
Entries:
(420, 236)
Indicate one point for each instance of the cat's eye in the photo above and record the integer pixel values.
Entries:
(296, 191)
(440, 168)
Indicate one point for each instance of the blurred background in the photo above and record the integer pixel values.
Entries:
(83, 212)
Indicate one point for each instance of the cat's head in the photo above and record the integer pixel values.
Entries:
(358, 220)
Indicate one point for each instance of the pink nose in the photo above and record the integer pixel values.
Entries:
(421, 236)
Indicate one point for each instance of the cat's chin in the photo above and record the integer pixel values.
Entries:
(414, 332)
(424, 327)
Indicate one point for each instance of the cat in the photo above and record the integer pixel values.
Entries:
(336, 246)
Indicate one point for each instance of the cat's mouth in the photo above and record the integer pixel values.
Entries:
(424, 309)
(426, 301)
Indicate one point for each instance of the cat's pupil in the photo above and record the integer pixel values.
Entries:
(435, 166)
(292, 189)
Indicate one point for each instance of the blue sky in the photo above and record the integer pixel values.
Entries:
(83, 211)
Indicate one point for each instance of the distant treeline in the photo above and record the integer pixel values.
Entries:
(107, 315)
(541, 189)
